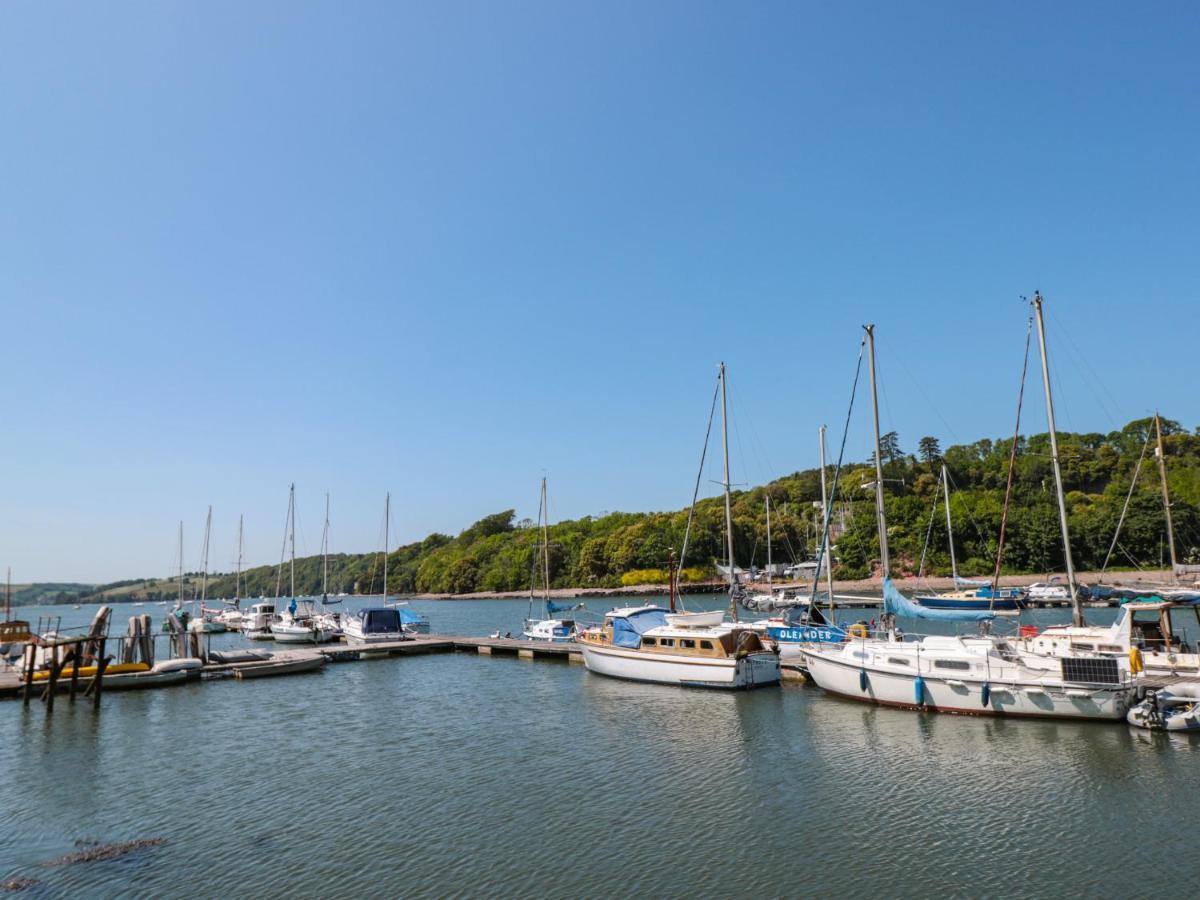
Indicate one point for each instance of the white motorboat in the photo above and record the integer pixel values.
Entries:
(256, 624)
(297, 625)
(637, 644)
(374, 625)
(1174, 708)
(1048, 591)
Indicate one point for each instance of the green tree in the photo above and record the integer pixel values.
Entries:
(929, 450)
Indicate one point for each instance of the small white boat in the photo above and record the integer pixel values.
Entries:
(374, 625)
(280, 667)
(549, 627)
(1176, 708)
(256, 624)
(696, 619)
(289, 628)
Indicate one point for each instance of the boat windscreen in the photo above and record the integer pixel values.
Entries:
(628, 630)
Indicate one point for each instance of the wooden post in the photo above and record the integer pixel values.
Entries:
(75, 663)
(31, 656)
(101, 665)
(52, 681)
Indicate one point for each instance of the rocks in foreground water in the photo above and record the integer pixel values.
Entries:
(101, 852)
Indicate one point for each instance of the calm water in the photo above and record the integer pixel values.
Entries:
(458, 775)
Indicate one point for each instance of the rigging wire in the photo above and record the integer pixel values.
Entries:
(1125, 509)
(1012, 464)
(687, 532)
(929, 532)
(828, 510)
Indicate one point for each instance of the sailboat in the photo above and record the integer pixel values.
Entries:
(387, 622)
(295, 623)
(209, 620)
(547, 628)
(981, 675)
(331, 621)
(670, 646)
(968, 594)
(232, 615)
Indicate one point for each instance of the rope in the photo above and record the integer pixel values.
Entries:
(1124, 509)
(828, 511)
(1012, 464)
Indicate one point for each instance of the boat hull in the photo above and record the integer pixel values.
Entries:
(751, 670)
(999, 604)
(964, 696)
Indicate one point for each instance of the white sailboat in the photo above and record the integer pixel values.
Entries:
(232, 614)
(327, 619)
(209, 620)
(648, 643)
(295, 623)
(981, 675)
(549, 627)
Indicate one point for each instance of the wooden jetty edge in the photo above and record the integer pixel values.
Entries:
(13, 686)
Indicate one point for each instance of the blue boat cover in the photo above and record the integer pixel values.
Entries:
(553, 608)
(379, 620)
(897, 604)
(628, 630)
(408, 617)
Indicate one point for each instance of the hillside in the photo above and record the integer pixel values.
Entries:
(495, 553)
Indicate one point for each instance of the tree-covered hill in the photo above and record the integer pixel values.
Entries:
(496, 553)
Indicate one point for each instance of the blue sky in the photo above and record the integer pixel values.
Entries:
(439, 249)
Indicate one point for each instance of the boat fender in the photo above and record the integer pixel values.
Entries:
(862, 680)
(857, 630)
(919, 688)
(1135, 660)
(987, 693)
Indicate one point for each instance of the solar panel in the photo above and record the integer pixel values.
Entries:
(1091, 670)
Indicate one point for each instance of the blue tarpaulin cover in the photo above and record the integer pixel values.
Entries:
(628, 630)
(553, 608)
(897, 604)
(408, 617)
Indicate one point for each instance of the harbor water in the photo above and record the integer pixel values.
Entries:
(464, 775)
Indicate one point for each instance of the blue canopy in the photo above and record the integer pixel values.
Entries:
(553, 608)
(628, 630)
(897, 604)
(380, 620)
(408, 617)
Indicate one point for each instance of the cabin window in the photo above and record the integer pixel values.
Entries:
(858, 654)
(1079, 645)
(957, 665)
(648, 642)
(1110, 648)
(687, 643)
(706, 645)
(897, 661)
(666, 642)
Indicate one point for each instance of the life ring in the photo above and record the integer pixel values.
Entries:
(857, 630)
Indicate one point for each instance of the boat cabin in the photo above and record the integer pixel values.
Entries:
(654, 630)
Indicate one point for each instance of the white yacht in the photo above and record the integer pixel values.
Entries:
(549, 627)
(979, 676)
(648, 643)
(374, 625)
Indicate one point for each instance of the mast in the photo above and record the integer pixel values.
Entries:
(179, 603)
(204, 575)
(292, 536)
(768, 538)
(1166, 494)
(880, 515)
(949, 524)
(1076, 607)
(8, 595)
(825, 524)
(387, 514)
(325, 555)
(237, 585)
(728, 509)
(545, 549)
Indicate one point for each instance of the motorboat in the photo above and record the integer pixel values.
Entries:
(374, 625)
(639, 644)
(299, 626)
(1173, 708)
(256, 624)
(1048, 591)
